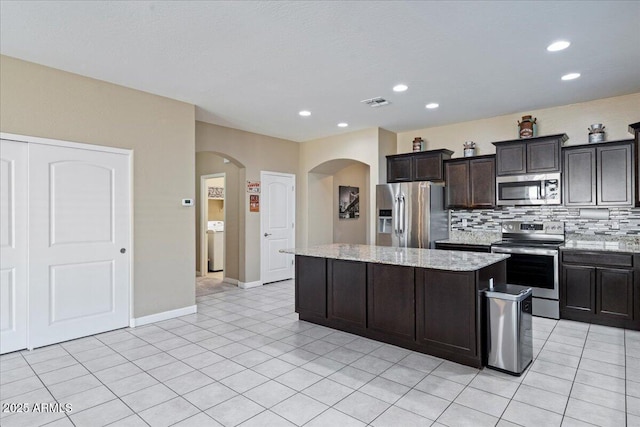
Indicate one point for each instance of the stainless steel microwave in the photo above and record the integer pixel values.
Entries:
(516, 190)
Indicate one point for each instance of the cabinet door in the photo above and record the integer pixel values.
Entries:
(457, 188)
(614, 293)
(399, 169)
(427, 167)
(446, 310)
(391, 300)
(578, 289)
(511, 159)
(311, 286)
(579, 177)
(614, 175)
(347, 288)
(543, 156)
(482, 179)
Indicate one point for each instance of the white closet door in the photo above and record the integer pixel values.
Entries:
(13, 245)
(278, 220)
(79, 243)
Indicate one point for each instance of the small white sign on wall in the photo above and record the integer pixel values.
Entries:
(253, 187)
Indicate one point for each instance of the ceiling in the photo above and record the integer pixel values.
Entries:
(254, 65)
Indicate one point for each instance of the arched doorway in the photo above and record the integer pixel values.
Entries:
(324, 181)
(210, 164)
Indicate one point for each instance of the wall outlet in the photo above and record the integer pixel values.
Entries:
(464, 222)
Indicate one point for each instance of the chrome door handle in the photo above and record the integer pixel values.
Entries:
(396, 214)
(267, 234)
(402, 218)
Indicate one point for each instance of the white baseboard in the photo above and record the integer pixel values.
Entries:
(230, 281)
(247, 285)
(165, 315)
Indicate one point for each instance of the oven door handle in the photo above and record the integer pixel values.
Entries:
(525, 251)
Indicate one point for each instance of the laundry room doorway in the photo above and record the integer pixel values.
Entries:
(213, 215)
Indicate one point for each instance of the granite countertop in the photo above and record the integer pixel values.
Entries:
(479, 238)
(409, 257)
(628, 246)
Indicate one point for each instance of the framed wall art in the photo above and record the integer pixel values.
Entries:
(348, 202)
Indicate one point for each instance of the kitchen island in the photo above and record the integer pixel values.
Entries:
(425, 300)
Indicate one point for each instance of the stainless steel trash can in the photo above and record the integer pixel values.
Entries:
(509, 337)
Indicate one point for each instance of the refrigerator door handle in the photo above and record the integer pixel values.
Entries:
(402, 214)
(396, 213)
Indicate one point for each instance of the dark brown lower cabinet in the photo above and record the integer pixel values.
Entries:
(579, 289)
(431, 311)
(347, 293)
(446, 311)
(614, 293)
(601, 288)
(391, 301)
(311, 286)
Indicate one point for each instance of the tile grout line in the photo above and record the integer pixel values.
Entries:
(47, 387)
(626, 410)
(110, 390)
(564, 414)
(284, 322)
(529, 369)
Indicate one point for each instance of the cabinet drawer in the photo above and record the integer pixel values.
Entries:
(463, 247)
(598, 258)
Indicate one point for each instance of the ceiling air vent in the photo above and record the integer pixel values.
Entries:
(376, 102)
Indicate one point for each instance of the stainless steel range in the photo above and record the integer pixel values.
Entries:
(533, 247)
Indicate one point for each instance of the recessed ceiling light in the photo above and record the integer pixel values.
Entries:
(570, 76)
(343, 125)
(400, 88)
(305, 113)
(432, 105)
(559, 45)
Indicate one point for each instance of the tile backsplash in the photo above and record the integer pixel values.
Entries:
(621, 222)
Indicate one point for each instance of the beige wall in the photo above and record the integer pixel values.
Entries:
(361, 146)
(216, 210)
(387, 145)
(351, 230)
(208, 163)
(321, 208)
(615, 113)
(256, 153)
(44, 102)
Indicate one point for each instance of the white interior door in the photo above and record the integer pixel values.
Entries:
(13, 245)
(78, 242)
(277, 215)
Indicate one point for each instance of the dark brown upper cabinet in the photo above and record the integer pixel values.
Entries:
(599, 174)
(529, 156)
(634, 129)
(418, 166)
(471, 182)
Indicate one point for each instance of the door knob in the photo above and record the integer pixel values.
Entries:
(267, 234)
(123, 250)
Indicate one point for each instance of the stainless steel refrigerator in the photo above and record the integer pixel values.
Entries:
(410, 214)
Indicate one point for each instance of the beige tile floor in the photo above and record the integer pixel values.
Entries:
(245, 359)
